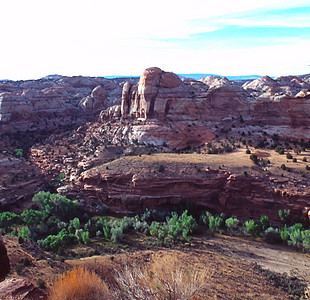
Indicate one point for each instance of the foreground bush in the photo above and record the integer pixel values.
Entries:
(79, 284)
(165, 279)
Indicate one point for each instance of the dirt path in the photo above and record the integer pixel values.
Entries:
(275, 258)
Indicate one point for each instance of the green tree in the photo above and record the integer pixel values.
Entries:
(32, 217)
(55, 204)
(8, 219)
(19, 152)
(24, 232)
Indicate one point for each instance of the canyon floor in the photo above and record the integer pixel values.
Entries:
(237, 268)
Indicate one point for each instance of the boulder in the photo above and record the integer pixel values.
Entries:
(20, 288)
(4, 260)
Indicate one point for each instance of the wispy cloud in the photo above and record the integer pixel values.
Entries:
(95, 37)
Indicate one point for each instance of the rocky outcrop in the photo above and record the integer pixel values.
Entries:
(21, 289)
(50, 103)
(96, 101)
(4, 260)
(168, 107)
(218, 190)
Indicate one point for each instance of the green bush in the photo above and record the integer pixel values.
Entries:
(306, 239)
(289, 156)
(264, 221)
(215, 223)
(204, 218)
(8, 220)
(85, 237)
(252, 228)
(284, 234)
(55, 204)
(61, 240)
(24, 232)
(283, 214)
(272, 236)
(117, 234)
(232, 224)
(296, 239)
(248, 151)
(175, 228)
(141, 227)
(32, 217)
(76, 223)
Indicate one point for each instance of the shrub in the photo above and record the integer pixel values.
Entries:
(283, 214)
(76, 223)
(284, 234)
(127, 223)
(85, 237)
(204, 218)
(295, 238)
(141, 227)
(176, 227)
(264, 221)
(289, 156)
(254, 158)
(294, 159)
(272, 236)
(117, 234)
(32, 217)
(55, 204)
(248, 151)
(252, 228)
(79, 284)
(24, 232)
(304, 159)
(306, 239)
(59, 241)
(160, 231)
(232, 223)
(215, 223)
(8, 219)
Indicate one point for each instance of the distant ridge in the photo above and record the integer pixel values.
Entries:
(238, 77)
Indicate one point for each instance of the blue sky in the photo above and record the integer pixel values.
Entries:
(98, 38)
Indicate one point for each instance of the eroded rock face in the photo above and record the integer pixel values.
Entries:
(217, 190)
(97, 100)
(4, 260)
(47, 104)
(21, 289)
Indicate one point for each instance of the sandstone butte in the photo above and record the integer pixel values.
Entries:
(161, 109)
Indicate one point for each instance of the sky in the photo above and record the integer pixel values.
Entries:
(104, 38)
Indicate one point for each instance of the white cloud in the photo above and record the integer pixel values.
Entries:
(95, 37)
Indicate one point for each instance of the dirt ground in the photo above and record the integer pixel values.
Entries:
(233, 265)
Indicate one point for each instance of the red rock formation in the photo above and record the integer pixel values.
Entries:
(48, 104)
(97, 100)
(21, 289)
(4, 260)
(218, 190)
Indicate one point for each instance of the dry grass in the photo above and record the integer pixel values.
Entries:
(79, 284)
(166, 278)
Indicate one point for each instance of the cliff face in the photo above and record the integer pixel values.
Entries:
(133, 190)
(50, 103)
(166, 112)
